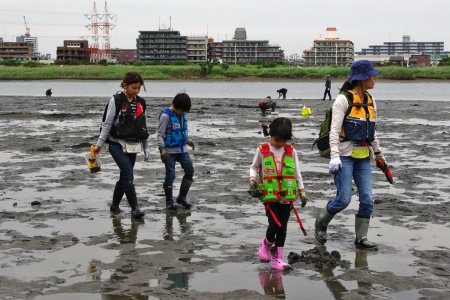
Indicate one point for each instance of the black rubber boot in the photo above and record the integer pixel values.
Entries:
(184, 189)
(117, 197)
(130, 192)
(169, 200)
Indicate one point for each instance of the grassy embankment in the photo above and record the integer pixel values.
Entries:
(93, 72)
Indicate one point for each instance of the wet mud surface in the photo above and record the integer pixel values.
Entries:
(67, 245)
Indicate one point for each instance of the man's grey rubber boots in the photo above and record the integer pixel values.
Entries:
(322, 224)
(361, 229)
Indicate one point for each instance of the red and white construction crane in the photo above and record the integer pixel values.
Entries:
(27, 33)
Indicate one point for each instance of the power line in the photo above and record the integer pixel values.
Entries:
(43, 24)
(39, 11)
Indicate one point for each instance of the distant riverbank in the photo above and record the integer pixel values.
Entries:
(96, 72)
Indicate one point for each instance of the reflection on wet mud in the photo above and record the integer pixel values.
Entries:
(272, 283)
(130, 297)
(337, 288)
(180, 280)
(183, 225)
(361, 263)
(93, 273)
(127, 235)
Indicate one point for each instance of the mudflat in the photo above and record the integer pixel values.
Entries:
(59, 240)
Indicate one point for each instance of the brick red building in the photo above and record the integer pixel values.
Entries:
(418, 60)
(123, 55)
(21, 51)
(73, 50)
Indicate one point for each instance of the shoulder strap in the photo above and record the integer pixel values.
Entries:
(369, 97)
(349, 95)
(265, 149)
(288, 149)
(118, 103)
(166, 111)
(143, 103)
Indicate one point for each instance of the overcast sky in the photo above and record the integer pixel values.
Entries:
(291, 24)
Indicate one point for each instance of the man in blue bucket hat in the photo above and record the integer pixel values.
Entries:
(352, 139)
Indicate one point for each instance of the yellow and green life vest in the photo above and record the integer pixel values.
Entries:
(278, 187)
(359, 123)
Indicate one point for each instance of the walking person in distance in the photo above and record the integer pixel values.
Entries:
(327, 88)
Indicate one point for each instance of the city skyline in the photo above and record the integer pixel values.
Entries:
(290, 24)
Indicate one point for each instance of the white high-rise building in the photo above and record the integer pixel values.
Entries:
(29, 39)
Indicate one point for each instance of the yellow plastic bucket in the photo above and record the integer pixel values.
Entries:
(306, 111)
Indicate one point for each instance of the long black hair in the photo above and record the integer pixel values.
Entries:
(280, 127)
(349, 85)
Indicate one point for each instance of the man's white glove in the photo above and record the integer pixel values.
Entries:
(303, 198)
(147, 154)
(335, 165)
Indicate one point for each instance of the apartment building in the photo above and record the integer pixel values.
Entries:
(330, 51)
(197, 49)
(406, 46)
(239, 50)
(214, 50)
(73, 50)
(161, 46)
(16, 50)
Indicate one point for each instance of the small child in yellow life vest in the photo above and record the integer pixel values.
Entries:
(276, 166)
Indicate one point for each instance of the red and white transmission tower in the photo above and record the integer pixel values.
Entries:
(100, 22)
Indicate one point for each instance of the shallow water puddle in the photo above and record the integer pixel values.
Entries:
(235, 276)
(411, 294)
(71, 296)
(70, 264)
(81, 228)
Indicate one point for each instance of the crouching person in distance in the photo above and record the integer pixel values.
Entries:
(172, 140)
(280, 182)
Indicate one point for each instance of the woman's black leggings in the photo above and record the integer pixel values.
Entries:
(274, 232)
